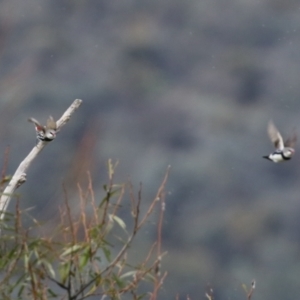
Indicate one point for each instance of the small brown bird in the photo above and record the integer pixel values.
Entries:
(45, 133)
(284, 150)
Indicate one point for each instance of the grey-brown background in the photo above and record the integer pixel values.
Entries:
(186, 83)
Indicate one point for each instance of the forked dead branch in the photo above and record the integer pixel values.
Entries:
(20, 175)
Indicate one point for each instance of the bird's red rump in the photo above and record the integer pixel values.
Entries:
(39, 128)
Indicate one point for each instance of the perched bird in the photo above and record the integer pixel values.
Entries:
(45, 133)
(284, 150)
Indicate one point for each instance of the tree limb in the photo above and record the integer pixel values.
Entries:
(20, 175)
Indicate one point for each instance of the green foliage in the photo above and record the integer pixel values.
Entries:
(78, 260)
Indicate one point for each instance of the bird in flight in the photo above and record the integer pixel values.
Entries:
(283, 150)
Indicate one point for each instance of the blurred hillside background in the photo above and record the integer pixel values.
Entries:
(191, 84)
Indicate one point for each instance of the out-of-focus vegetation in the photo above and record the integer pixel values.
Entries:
(89, 254)
(192, 84)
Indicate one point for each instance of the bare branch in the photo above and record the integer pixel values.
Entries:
(20, 175)
(127, 244)
(253, 284)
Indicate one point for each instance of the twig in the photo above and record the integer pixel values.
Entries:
(20, 175)
(127, 244)
(210, 293)
(253, 284)
(157, 198)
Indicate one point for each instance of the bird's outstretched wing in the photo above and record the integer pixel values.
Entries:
(275, 136)
(51, 124)
(37, 124)
(291, 141)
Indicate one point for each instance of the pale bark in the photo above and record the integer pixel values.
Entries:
(20, 175)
